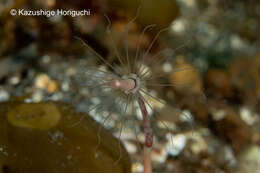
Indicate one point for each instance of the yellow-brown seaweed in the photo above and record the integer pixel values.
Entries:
(43, 137)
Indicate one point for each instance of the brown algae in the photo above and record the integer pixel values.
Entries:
(40, 137)
(35, 116)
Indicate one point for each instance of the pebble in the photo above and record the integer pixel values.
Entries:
(249, 161)
(65, 86)
(130, 147)
(37, 97)
(199, 143)
(229, 156)
(137, 167)
(167, 125)
(175, 144)
(218, 114)
(249, 117)
(14, 80)
(179, 26)
(43, 81)
(4, 95)
(2, 150)
(186, 116)
(158, 153)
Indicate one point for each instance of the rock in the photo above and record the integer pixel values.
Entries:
(246, 82)
(234, 130)
(218, 83)
(185, 78)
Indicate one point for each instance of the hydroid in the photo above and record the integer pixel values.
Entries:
(125, 89)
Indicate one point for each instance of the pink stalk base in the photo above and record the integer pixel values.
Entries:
(147, 160)
(148, 137)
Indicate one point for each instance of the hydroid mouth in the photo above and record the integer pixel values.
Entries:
(137, 82)
(128, 84)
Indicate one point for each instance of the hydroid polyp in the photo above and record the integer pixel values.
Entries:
(127, 85)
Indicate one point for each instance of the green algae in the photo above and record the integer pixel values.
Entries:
(47, 137)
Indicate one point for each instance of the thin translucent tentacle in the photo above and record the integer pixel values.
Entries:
(126, 40)
(99, 131)
(153, 97)
(82, 117)
(142, 73)
(98, 55)
(139, 43)
(154, 76)
(121, 129)
(113, 41)
(151, 44)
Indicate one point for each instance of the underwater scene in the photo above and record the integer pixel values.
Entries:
(129, 86)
